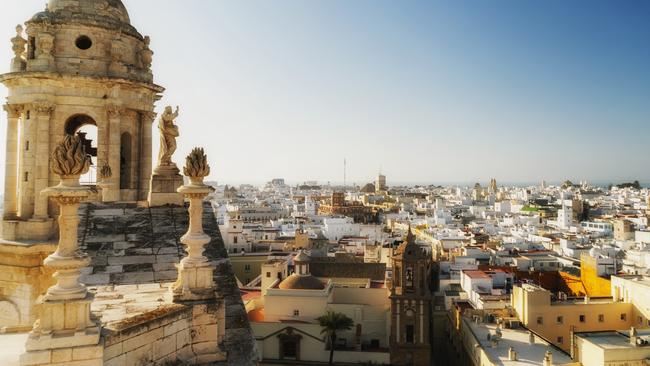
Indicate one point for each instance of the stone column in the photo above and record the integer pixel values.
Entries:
(64, 321)
(26, 166)
(11, 166)
(115, 113)
(146, 163)
(43, 111)
(195, 280)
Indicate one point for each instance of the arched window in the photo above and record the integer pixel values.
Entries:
(86, 128)
(125, 161)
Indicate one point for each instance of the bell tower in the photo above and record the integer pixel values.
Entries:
(411, 300)
(77, 63)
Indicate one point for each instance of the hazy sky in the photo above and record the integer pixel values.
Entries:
(430, 91)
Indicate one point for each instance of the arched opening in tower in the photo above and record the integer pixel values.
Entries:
(125, 161)
(86, 128)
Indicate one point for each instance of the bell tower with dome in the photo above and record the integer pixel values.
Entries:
(77, 63)
(410, 298)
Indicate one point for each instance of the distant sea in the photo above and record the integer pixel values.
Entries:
(597, 183)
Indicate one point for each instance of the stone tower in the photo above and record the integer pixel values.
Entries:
(411, 300)
(79, 63)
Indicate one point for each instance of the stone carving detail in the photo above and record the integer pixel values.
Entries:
(105, 171)
(19, 43)
(70, 158)
(196, 166)
(46, 45)
(115, 111)
(117, 50)
(168, 135)
(43, 107)
(146, 54)
(13, 110)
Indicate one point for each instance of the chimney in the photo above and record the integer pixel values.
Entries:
(548, 359)
(512, 354)
(633, 336)
(586, 299)
(531, 338)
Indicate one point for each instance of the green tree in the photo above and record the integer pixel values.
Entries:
(333, 322)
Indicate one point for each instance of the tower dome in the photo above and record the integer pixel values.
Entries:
(112, 9)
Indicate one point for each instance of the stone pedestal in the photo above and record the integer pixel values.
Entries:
(65, 327)
(109, 193)
(195, 281)
(163, 187)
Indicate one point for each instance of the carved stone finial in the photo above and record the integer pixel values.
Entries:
(196, 165)
(19, 42)
(146, 54)
(69, 158)
(105, 171)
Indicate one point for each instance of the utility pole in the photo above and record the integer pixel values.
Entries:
(345, 172)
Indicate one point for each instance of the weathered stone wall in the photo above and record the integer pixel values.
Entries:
(22, 280)
(132, 245)
(177, 334)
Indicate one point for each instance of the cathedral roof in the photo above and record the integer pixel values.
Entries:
(111, 14)
(113, 9)
(301, 282)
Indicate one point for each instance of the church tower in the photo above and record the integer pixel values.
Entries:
(79, 63)
(411, 300)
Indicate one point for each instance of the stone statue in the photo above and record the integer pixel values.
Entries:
(18, 42)
(168, 135)
(146, 54)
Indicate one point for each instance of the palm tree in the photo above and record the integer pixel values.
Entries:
(333, 322)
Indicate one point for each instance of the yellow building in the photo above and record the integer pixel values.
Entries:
(629, 347)
(556, 320)
(634, 289)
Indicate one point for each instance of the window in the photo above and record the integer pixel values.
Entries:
(83, 43)
(31, 49)
(582, 318)
(410, 334)
(290, 350)
(28, 115)
(234, 239)
(26, 176)
(540, 320)
(560, 339)
(296, 313)
(247, 267)
(560, 319)
(268, 274)
(26, 145)
(601, 318)
(624, 317)
(639, 320)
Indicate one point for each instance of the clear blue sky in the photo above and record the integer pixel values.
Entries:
(430, 91)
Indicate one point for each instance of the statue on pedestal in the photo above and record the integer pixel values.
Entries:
(166, 178)
(168, 135)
